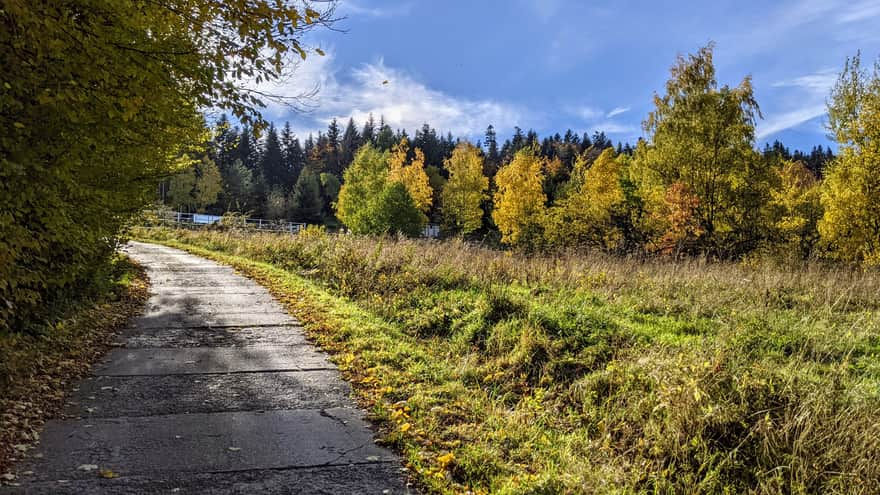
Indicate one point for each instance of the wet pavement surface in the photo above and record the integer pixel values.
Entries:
(214, 389)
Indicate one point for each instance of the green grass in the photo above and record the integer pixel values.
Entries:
(495, 372)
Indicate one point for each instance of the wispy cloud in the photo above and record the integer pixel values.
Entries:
(404, 101)
(624, 130)
(543, 10)
(808, 92)
(587, 113)
(385, 11)
(789, 120)
(597, 119)
(857, 11)
(818, 82)
(617, 111)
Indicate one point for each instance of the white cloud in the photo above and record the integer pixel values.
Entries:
(789, 120)
(392, 93)
(587, 113)
(543, 10)
(808, 92)
(597, 119)
(617, 111)
(819, 82)
(386, 11)
(858, 11)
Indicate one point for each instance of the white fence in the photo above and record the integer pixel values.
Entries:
(180, 219)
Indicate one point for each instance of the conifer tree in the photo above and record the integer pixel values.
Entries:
(247, 150)
(331, 150)
(493, 158)
(272, 165)
(238, 188)
(368, 135)
(385, 138)
(351, 141)
(306, 203)
(294, 157)
(330, 187)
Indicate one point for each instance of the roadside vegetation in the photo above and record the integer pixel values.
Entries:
(499, 372)
(38, 367)
(101, 101)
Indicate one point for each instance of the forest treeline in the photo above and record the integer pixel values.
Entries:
(259, 176)
(696, 184)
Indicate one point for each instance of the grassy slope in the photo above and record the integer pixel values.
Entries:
(36, 369)
(503, 374)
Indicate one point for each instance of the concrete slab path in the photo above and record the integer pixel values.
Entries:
(213, 390)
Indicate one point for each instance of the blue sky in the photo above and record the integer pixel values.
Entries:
(557, 64)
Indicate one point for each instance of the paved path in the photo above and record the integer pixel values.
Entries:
(213, 390)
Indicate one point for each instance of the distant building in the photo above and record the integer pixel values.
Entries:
(431, 231)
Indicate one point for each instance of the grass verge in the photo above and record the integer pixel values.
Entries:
(497, 373)
(37, 368)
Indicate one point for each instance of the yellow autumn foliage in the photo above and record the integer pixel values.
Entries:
(412, 175)
(850, 226)
(519, 199)
(587, 215)
(465, 190)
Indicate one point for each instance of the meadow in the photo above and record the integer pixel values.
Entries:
(493, 371)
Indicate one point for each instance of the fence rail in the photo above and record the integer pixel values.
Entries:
(180, 219)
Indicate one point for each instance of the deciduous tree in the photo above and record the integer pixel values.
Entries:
(392, 212)
(196, 187)
(700, 139)
(363, 180)
(465, 190)
(795, 208)
(519, 200)
(850, 225)
(99, 100)
(593, 213)
(411, 173)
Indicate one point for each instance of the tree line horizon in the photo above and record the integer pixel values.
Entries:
(279, 156)
(697, 185)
